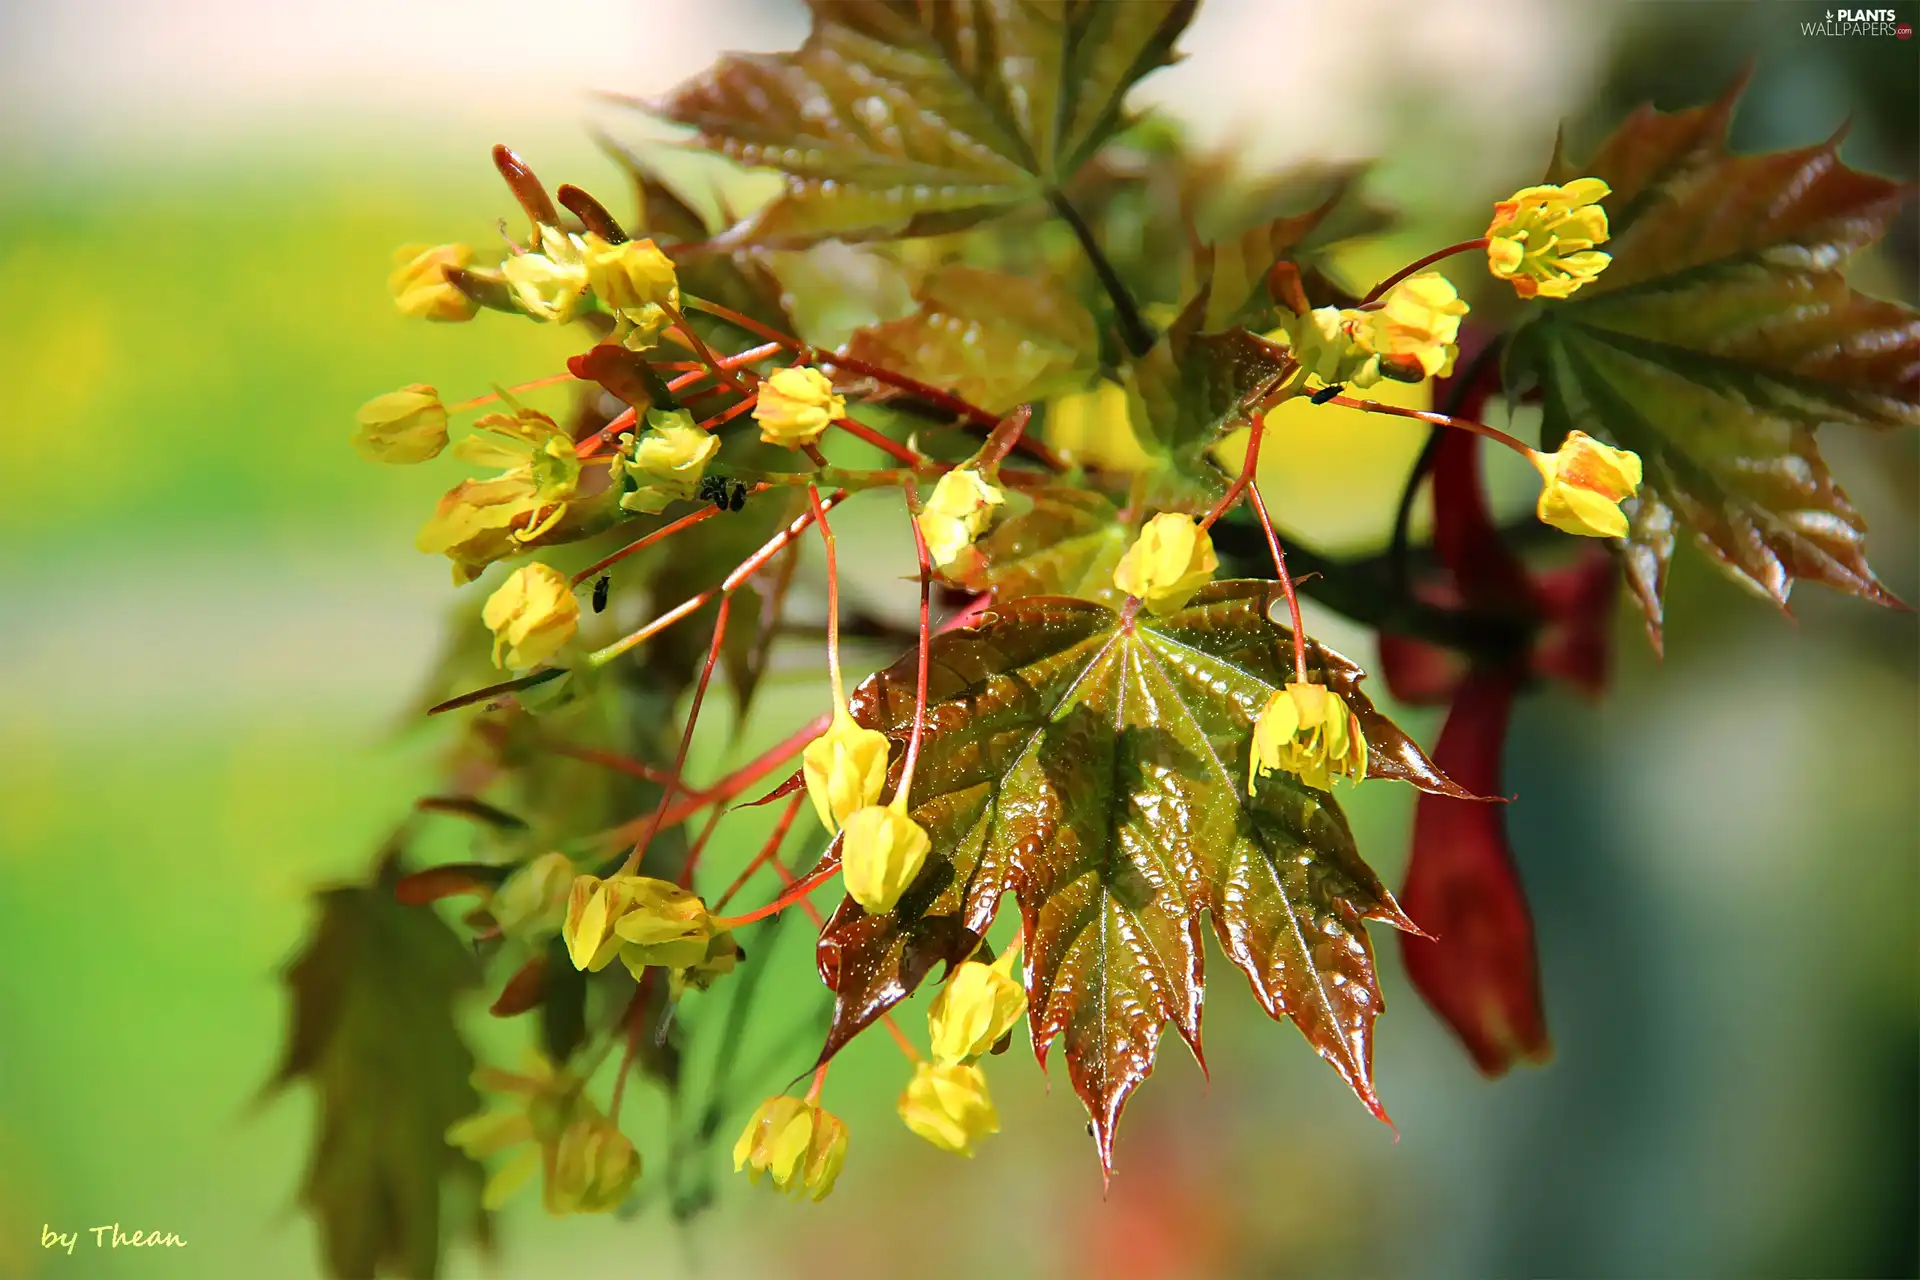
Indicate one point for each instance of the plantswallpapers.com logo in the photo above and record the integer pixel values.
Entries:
(1858, 22)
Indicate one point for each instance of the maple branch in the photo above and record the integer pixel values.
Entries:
(1135, 332)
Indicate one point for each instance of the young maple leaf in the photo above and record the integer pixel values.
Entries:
(898, 118)
(1722, 335)
(372, 1029)
(1096, 766)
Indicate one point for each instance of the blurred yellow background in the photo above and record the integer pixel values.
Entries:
(214, 614)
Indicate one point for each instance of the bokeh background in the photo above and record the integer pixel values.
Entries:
(212, 615)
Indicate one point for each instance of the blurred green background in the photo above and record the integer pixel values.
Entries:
(213, 615)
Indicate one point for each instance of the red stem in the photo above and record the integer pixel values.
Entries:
(598, 567)
(1438, 420)
(1286, 586)
(926, 649)
(769, 850)
(1247, 467)
(1379, 290)
(632, 863)
(797, 893)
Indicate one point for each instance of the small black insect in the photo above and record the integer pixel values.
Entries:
(727, 495)
(600, 589)
(1325, 394)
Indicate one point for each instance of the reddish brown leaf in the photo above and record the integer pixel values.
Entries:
(1479, 970)
(1096, 767)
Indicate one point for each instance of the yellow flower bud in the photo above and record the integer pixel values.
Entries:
(1585, 483)
(594, 1167)
(845, 769)
(881, 851)
(551, 284)
(1307, 729)
(795, 406)
(979, 1004)
(666, 462)
(947, 1104)
(633, 280)
(642, 920)
(1542, 239)
(958, 511)
(1326, 344)
(408, 425)
(532, 615)
(1170, 560)
(419, 282)
(1418, 323)
(795, 1144)
(533, 901)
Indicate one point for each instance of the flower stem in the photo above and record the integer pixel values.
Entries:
(639, 851)
(833, 599)
(1286, 585)
(1438, 420)
(819, 1083)
(771, 849)
(797, 892)
(901, 796)
(1380, 290)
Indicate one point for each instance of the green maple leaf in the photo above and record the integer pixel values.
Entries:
(372, 1030)
(1095, 765)
(906, 118)
(1720, 338)
(1066, 542)
(991, 338)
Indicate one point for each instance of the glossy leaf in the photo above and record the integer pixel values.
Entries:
(372, 1030)
(1722, 335)
(1096, 767)
(1066, 543)
(910, 117)
(990, 338)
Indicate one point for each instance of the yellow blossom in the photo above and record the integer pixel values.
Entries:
(408, 425)
(979, 1004)
(419, 282)
(1326, 344)
(959, 510)
(532, 616)
(533, 901)
(480, 521)
(1585, 483)
(633, 280)
(1308, 730)
(795, 406)
(642, 920)
(594, 1167)
(666, 463)
(881, 851)
(1170, 560)
(590, 1165)
(845, 768)
(795, 1144)
(1542, 239)
(551, 284)
(1417, 323)
(947, 1104)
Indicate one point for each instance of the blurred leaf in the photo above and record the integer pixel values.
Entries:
(1097, 768)
(373, 1031)
(1235, 269)
(1722, 335)
(988, 337)
(899, 118)
(1065, 544)
(1479, 971)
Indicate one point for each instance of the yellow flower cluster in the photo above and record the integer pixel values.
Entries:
(1171, 560)
(958, 511)
(665, 464)
(480, 521)
(1307, 730)
(590, 1165)
(1542, 239)
(1410, 335)
(795, 406)
(795, 1145)
(1586, 481)
(420, 286)
(644, 922)
(532, 616)
(633, 279)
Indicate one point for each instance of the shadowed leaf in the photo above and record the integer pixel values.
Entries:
(1721, 337)
(898, 117)
(1066, 544)
(372, 1030)
(990, 338)
(1097, 769)
(1188, 393)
